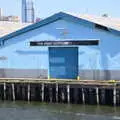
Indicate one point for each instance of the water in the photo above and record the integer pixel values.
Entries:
(42, 111)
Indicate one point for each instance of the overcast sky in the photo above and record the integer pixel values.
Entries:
(44, 8)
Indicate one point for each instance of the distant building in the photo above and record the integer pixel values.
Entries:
(13, 18)
(8, 18)
(27, 11)
(38, 19)
(0, 12)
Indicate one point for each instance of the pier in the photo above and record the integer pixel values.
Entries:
(91, 92)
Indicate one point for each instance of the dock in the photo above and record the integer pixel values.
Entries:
(93, 92)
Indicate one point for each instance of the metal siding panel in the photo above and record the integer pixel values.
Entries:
(63, 62)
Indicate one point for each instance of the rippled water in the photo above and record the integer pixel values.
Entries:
(40, 111)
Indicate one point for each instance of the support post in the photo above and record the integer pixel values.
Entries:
(13, 91)
(56, 92)
(68, 93)
(42, 92)
(97, 95)
(4, 91)
(50, 93)
(114, 96)
(83, 96)
(28, 92)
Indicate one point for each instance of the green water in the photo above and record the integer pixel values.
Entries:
(40, 111)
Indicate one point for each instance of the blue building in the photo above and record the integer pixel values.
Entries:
(63, 46)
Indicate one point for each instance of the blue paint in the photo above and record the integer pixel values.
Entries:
(49, 20)
(20, 52)
(21, 55)
(63, 62)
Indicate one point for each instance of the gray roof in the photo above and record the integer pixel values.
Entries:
(110, 22)
(7, 27)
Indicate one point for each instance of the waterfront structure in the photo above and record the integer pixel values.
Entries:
(60, 91)
(63, 46)
(27, 11)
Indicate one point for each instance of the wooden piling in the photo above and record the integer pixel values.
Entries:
(50, 93)
(4, 91)
(83, 96)
(63, 94)
(103, 96)
(68, 93)
(97, 95)
(13, 91)
(28, 95)
(114, 96)
(42, 92)
(56, 92)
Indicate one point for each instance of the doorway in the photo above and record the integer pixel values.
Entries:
(63, 62)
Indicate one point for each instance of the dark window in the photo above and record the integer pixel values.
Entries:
(64, 43)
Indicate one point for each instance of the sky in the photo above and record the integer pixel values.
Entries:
(45, 8)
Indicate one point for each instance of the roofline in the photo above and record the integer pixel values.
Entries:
(51, 19)
(46, 21)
